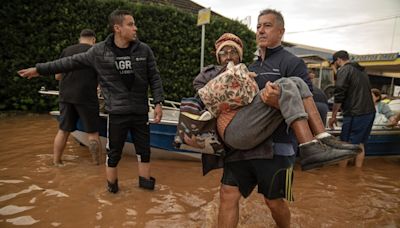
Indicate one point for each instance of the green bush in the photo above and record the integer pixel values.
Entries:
(37, 31)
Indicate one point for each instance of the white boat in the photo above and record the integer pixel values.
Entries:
(382, 141)
(161, 134)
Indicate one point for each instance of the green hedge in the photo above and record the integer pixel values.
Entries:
(37, 31)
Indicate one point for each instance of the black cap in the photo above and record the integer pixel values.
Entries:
(87, 33)
(340, 54)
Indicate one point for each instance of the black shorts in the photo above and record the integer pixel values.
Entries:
(71, 113)
(274, 177)
(136, 125)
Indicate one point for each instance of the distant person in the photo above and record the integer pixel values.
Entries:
(78, 100)
(127, 69)
(397, 118)
(320, 99)
(384, 115)
(313, 77)
(353, 95)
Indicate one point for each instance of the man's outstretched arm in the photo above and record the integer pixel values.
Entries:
(28, 73)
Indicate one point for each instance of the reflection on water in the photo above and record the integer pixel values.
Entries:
(33, 192)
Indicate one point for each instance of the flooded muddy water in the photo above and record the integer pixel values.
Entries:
(35, 193)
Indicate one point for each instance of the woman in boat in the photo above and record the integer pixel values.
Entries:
(384, 115)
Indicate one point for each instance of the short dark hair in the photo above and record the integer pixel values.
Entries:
(377, 93)
(312, 71)
(342, 54)
(278, 15)
(116, 17)
(87, 33)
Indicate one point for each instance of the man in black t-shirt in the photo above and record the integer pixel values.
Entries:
(126, 69)
(78, 100)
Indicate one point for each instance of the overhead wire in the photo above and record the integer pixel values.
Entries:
(346, 25)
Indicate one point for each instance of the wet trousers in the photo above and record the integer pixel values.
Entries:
(255, 122)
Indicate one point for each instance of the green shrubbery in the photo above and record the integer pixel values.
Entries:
(37, 31)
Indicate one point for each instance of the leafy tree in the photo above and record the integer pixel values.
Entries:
(37, 31)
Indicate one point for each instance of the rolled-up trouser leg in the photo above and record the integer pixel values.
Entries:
(252, 124)
(315, 121)
(257, 121)
(293, 90)
(303, 88)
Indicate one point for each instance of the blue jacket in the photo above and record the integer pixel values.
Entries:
(279, 63)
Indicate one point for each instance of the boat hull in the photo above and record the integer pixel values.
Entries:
(383, 140)
(161, 140)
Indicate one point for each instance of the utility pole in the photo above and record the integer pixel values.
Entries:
(203, 18)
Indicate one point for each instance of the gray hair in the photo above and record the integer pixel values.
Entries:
(278, 16)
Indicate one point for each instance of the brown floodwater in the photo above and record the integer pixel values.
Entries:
(33, 192)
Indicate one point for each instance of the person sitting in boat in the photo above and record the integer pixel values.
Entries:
(244, 120)
(384, 115)
(397, 119)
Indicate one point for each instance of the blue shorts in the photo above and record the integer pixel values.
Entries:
(356, 129)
